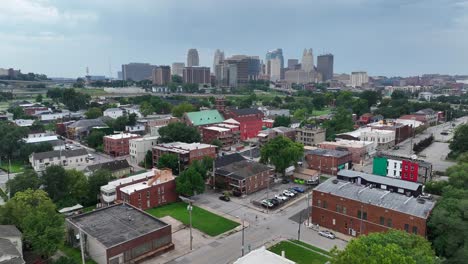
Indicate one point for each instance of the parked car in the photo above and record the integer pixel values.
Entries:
(225, 198)
(288, 193)
(90, 157)
(292, 190)
(281, 197)
(265, 203)
(274, 201)
(426, 196)
(314, 181)
(327, 234)
(285, 181)
(299, 189)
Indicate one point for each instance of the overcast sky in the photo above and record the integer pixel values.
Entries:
(382, 37)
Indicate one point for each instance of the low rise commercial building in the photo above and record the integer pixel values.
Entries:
(139, 147)
(356, 204)
(227, 134)
(268, 134)
(119, 144)
(328, 161)
(119, 234)
(109, 191)
(405, 168)
(113, 112)
(186, 152)
(69, 159)
(360, 150)
(310, 135)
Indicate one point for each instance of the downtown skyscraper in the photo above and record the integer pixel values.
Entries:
(218, 59)
(192, 58)
(307, 63)
(274, 64)
(325, 66)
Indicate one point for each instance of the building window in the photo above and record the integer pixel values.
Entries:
(324, 204)
(362, 215)
(338, 208)
(382, 220)
(147, 194)
(415, 230)
(412, 168)
(319, 203)
(389, 222)
(139, 196)
(344, 210)
(406, 227)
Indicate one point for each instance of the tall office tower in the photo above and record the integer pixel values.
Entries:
(237, 70)
(359, 78)
(292, 63)
(325, 66)
(307, 63)
(161, 75)
(218, 58)
(177, 68)
(137, 71)
(192, 58)
(274, 64)
(198, 75)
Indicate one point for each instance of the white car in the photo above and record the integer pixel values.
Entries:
(281, 197)
(266, 203)
(288, 193)
(327, 234)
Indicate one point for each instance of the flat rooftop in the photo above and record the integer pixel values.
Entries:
(116, 224)
(113, 184)
(378, 197)
(328, 152)
(122, 136)
(183, 146)
(165, 177)
(348, 143)
(144, 139)
(219, 129)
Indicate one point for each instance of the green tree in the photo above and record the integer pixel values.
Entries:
(132, 119)
(119, 123)
(360, 107)
(397, 95)
(301, 114)
(190, 182)
(170, 161)
(176, 79)
(55, 94)
(341, 122)
(95, 181)
(344, 99)
(282, 152)
(18, 112)
(459, 142)
(148, 162)
(217, 143)
(179, 132)
(78, 187)
(93, 112)
(39, 98)
(146, 108)
(319, 101)
(22, 182)
(284, 121)
(390, 247)
(95, 138)
(10, 141)
(179, 110)
(33, 212)
(372, 97)
(55, 182)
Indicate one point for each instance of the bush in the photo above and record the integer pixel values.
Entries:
(421, 145)
(435, 187)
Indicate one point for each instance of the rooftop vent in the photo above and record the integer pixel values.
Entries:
(335, 181)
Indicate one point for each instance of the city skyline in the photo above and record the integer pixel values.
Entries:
(62, 38)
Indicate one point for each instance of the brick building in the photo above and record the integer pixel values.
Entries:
(402, 131)
(119, 234)
(310, 135)
(187, 152)
(118, 145)
(329, 161)
(266, 135)
(249, 119)
(356, 204)
(227, 134)
(400, 167)
(149, 193)
(360, 150)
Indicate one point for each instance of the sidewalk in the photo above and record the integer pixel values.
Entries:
(338, 235)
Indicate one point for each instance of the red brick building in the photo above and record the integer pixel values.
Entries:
(249, 119)
(228, 134)
(360, 150)
(365, 119)
(355, 206)
(329, 161)
(187, 152)
(146, 194)
(118, 145)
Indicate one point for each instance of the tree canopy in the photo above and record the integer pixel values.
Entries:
(23, 181)
(179, 132)
(459, 142)
(190, 182)
(179, 110)
(284, 121)
(93, 112)
(341, 122)
(95, 181)
(282, 152)
(170, 161)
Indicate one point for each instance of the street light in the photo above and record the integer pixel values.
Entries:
(189, 209)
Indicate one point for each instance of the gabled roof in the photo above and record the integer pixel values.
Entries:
(231, 121)
(114, 165)
(205, 117)
(88, 123)
(58, 153)
(9, 254)
(228, 159)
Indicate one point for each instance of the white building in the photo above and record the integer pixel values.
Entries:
(133, 110)
(383, 139)
(307, 63)
(394, 168)
(138, 128)
(359, 78)
(262, 255)
(113, 112)
(139, 147)
(52, 116)
(69, 159)
(24, 122)
(275, 69)
(108, 191)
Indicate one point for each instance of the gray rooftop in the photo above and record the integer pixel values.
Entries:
(57, 153)
(9, 231)
(88, 123)
(242, 169)
(116, 224)
(9, 253)
(328, 152)
(389, 181)
(378, 197)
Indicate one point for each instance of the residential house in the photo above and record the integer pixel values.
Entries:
(113, 113)
(69, 159)
(81, 128)
(186, 152)
(108, 191)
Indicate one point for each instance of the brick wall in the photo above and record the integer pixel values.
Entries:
(327, 164)
(151, 197)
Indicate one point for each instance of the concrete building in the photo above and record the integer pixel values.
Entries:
(348, 205)
(359, 78)
(218, 58)
(301, 76)
(328, 161)
(158, 190)
(307, 62)
(293, 64)
(262, 255)
(310, 135)
(405, 168)
(274, 63)
(228, 134)
(117, 168)
(360, 150)
(382, 138)
(137, 71)
(113, 112)
(268, 134)
(69, 159)
(237, 70)
(101, 231)
(198, 75)
(161, 75)
(186, 152)
(139, 147)
(325, 66)
(192, 58)
(119, 144)
(177, 68)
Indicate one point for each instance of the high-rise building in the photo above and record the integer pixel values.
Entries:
(301, 76)
(161, 75)
(307, 63)
(178, 68)
(198, 75)
(218, 58)
(325, 66)
(292, 64)
(192, 58)
(237, 70)
(137, 71)
(275, 64)
(359, 78)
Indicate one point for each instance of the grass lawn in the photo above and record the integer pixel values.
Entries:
(16, 166)
(311, 247)
(207, 222)
(74, 253)
(93, 91)
(325, 111)
(298, 254)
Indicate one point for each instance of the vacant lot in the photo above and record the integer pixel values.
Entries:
(300, 252)
(207, 222)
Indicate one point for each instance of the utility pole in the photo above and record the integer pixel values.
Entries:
(243, 236)
(299, 229)
(189, 208)
(9, 168)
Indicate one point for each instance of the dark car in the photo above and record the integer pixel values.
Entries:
(236, 193)
(274, 202)
(298, 189)
(293, 190)
(285, 181)
(225, 198)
